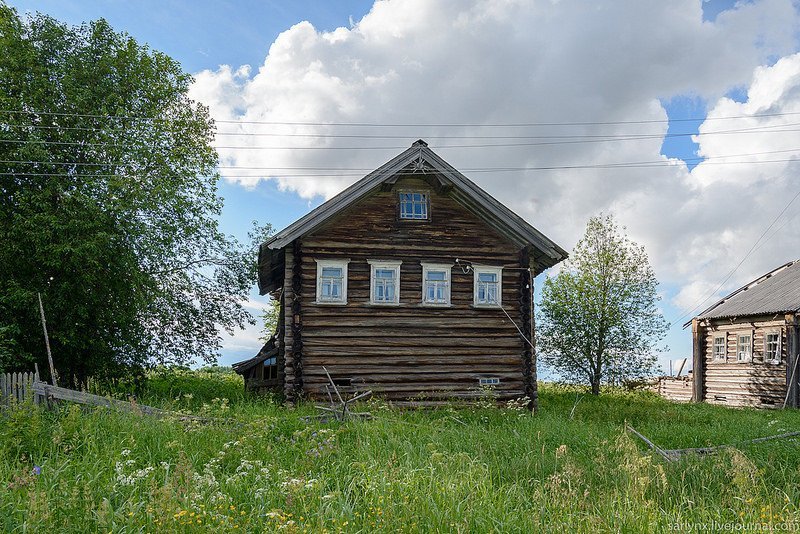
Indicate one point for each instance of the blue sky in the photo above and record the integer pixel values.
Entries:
(552, 63)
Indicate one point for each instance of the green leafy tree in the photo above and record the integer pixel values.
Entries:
(270, 316)
(109, 205)
(598, 320)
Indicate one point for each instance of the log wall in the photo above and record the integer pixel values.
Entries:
(409, 350)
(755, 383)
(675, 389)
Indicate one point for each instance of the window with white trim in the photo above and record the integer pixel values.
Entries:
(488, 381)
(436, 283)
(744, 347)
(332, 281)
(488, 285)
(720, 348)
(413, 205)
(384, 286)
(772, 347)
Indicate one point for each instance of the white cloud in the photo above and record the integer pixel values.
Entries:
(456, 62)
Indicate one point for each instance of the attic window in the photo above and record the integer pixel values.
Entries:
(414, 205)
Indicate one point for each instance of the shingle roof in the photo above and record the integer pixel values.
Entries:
(776, 292)
(421, 158)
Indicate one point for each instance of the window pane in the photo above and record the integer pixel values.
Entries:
(487, 277)
(413, 206)
(331, 272)
(384, 273)
(437, 275)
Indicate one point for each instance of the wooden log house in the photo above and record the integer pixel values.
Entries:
(413, 282)
(746, 345)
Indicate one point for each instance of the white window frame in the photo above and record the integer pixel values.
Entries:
(487, 269)
(488, 381)
(336, 264)
(426, 203)
(714, 356)
(778, 354)
(749, 357)
(436, 267)
(388, 265)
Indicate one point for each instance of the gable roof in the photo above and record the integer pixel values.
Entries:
(421, 159)
(778, 291)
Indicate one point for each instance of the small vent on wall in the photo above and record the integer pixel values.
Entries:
(767, 400)
(720, 398)
(486, 381)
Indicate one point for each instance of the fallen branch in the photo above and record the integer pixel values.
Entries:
(650, 444)
(674, 454)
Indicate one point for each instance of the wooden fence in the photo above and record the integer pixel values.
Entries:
(677, 389)
(18, 387)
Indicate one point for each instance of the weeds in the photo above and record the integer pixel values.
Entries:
(456, 469)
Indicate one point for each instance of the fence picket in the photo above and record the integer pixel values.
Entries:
(17, 387)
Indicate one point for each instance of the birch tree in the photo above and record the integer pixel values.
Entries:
(599, 316)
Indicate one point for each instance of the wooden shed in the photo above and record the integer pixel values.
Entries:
(746, 345)
(261, 373)
(413, 282)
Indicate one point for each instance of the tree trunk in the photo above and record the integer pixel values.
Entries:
(595, 385)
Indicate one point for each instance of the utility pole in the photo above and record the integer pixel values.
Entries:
(47, 342)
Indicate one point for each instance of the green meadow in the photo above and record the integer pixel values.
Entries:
(258, 466)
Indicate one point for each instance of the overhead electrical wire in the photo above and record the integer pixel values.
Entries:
(404, 125)
(437, 147)
(100, 129)
(355, 171)
(408, 173)
(555, 140)
(738, 265)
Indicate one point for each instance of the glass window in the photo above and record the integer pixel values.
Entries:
(385, 282)
(772, 347)
(271, 368)
(332, 281)
(488, 286)
(331, 284)
(413, 206)
(720, 348)
(743, 348)
(435, 283)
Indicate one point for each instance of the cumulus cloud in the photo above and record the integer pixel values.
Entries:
(604, 66)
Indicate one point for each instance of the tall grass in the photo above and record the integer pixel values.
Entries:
(457, 469)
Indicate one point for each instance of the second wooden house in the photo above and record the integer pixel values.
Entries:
(746, 345)
(413, 282)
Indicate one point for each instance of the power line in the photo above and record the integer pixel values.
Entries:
(364, 169)
(404, 125)
(632, 165)
(438, 147)
(393, 137)
(749, 252)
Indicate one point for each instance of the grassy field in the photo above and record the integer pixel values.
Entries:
(455, 469)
